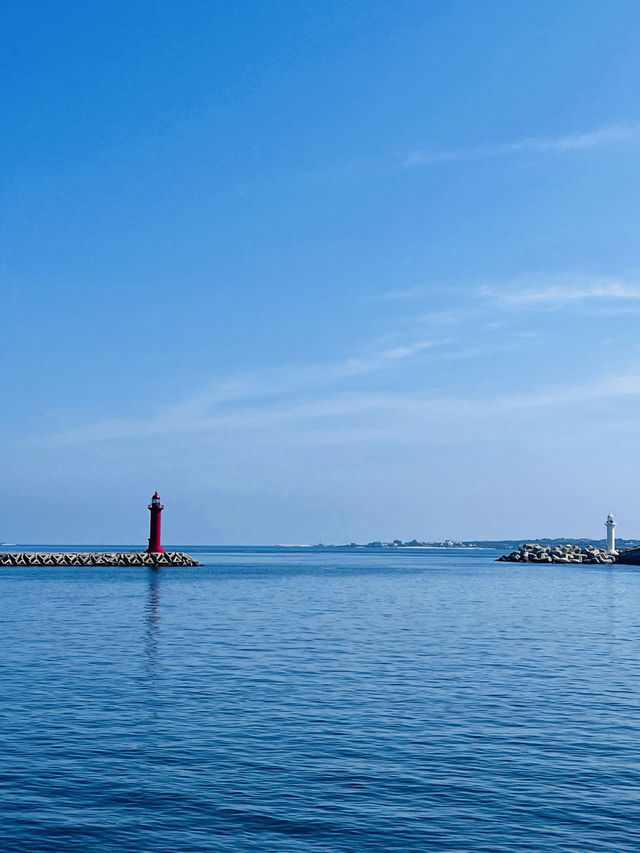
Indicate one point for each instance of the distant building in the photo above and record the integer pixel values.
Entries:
(611, 534)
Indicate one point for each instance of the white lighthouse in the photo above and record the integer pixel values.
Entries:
(611, 534)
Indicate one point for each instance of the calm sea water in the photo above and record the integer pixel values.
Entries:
(297, 700)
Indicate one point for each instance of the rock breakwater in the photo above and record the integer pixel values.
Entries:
(175, 558)
(532, 553)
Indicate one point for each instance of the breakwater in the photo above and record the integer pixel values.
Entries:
(532, 553)
(142, 558)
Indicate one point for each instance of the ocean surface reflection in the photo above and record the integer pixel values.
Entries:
(152, 623)
(304, 700)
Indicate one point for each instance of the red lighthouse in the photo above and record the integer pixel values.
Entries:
(155, 508)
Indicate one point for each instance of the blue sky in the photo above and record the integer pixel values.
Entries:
(320, 272)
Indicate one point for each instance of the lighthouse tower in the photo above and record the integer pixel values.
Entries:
(155, 508)
(611, 534)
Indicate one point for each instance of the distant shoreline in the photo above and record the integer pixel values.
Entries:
(475, 544)
(413, 545)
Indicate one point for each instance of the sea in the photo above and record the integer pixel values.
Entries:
(316, 699)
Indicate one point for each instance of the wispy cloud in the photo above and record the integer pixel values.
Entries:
(253, 397)
(327, 402)
(276, 382)
(356, 415)
(597, 390)
(615, 134)
(380, 361)
(555, 291)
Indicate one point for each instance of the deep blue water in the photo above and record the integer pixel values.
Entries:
(321, 701)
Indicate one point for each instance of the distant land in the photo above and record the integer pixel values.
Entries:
(498, 544)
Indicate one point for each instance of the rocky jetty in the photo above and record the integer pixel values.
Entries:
(631, 556)
(531, 553)
(175, 558)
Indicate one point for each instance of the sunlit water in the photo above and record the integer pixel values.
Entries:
(291, 700)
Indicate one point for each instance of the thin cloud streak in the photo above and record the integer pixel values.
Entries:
(600, 138)
(303, 404)
(385, 359)
(384, 415)
(287, 380)
(226, 401)
(554, 292)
